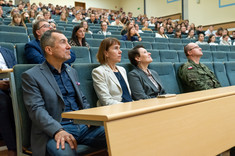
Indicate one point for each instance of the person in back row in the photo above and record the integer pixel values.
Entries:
(104, 29)
(78, 37)
(33, 51)
(49, 89)
(194, 75)
(144, 83)
(109, 80)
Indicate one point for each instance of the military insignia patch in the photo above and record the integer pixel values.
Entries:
(190, 67)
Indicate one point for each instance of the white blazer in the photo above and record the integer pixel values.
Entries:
(107, 86)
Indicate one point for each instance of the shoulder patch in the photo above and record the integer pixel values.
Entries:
(190, 67)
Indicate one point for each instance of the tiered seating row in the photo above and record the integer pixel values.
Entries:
(85, 55)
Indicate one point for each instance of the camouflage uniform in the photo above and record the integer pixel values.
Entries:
(195, 77)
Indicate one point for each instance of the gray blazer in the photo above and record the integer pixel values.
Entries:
(142, 87)
(44, 102)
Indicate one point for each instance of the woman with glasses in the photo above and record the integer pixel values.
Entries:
(104, 27)
(78, 37)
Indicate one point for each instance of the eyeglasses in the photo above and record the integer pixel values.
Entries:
(194, 48)
(44, 26)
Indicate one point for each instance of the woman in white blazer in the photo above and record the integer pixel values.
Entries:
(109, 80)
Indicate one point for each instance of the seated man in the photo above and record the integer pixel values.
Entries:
(92, 19)
(33, 50)
(49, 89)
(194, 75)
(7, 128)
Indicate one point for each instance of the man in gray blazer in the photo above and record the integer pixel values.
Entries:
(50, 89)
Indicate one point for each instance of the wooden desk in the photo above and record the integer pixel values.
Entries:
(5, 73)
(198, 123)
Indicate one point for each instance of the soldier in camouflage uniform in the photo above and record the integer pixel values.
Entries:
(195, 76)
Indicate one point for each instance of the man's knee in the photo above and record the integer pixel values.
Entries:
(53, 151)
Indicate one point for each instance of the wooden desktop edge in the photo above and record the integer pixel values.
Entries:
(6, 70)
(98, 115)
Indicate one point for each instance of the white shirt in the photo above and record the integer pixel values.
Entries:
(3, 64)
(213, 43)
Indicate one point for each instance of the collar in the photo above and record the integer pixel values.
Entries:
(55, 71)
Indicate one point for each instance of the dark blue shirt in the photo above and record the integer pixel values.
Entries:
(126, 97)
(133, 38)
(67, 90)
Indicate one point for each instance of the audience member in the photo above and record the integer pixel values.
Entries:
(86, 27)
(200, 30)
(132, 35)
(33, 51)
(25, 17)
(49, 132)
(7, 128)
(92, 19)
(177, 33)
(219, 32)
(225, 40)
(191, 34)
(104, 28)
(78, 37)
(78, 18)
(17, 21)
(161, 33)
(53, 25)
(137, 28)
(63, 17)
(144, 83)
(183, 30)
(209, 31)
(170, 30)
(194, 75)
(212, 39)
(117, 22)
(109, 80)
(201, 39)
(146, 26)
(47, 16)
(126, 27)
(14, 11)
(233, 36)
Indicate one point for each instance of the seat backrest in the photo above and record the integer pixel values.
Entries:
(155, 55)
(93, 52)
(167, 75)
(176, 66)
(148, 39)
(231, 56)
(222, 48)
(7, 45)
(129, 44)
(98, 36)
(219, 56)
(22, 120)
(125, 58)
(221, 74)
(168, 56)
(147, 45)
(161, 40)
(20, 53)
(13, 37)
(17, 29)
(205, 47)
(82, 54)
(206, 57)
(160, 46)
(182, 56)
(94, 42)
(210, 66)
(119, 37)
(86, 83)
(176, 46)
(174, 40)
(128, 67)
(230, 69)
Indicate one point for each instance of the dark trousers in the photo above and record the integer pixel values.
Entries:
(7, 128)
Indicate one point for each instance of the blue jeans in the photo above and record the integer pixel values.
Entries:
(93, 136)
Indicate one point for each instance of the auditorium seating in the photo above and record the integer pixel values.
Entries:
(13, 37)
(82, 54)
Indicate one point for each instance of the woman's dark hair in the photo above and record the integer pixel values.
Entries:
(133, 53)
(75, 38)
(128, 34)
(177, 30)
(209, 38)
